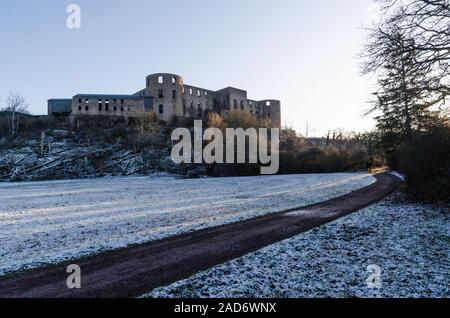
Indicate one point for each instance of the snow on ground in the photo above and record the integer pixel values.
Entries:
(410, 244)
(52, 221)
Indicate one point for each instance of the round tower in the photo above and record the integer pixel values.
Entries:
(167, 91)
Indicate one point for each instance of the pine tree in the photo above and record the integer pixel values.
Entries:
(403, 98)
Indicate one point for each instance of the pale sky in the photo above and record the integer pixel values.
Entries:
(302, 52)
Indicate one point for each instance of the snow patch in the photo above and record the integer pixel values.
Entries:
(53, 221)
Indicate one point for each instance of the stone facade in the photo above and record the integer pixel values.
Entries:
(170, 98)
(111, 105)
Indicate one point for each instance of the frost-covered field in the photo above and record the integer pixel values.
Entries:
(47, 222)
(410, 243)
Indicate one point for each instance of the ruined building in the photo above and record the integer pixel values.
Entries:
(171, 99)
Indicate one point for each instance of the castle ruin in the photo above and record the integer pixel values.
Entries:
(170, 99)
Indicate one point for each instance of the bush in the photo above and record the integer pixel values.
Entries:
(241, 119)
(425, 161)
(31, 126)
(315, 160)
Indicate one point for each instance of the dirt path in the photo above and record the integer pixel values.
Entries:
(133, 271)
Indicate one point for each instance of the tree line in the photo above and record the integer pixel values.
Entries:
(408, 52)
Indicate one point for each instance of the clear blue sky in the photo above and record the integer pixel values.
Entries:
(302, 52)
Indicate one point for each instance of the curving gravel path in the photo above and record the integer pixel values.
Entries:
(409, 242)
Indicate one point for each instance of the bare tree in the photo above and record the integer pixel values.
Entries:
(409, 53)
(16, 106)
(147, 128)
(306, 129)
(425, 24)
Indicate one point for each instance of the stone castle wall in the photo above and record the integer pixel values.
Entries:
(169, 97)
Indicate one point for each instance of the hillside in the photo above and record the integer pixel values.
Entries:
(66, 154)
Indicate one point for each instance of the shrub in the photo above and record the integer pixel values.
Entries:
(425, 161)
(216, 121)
(241, 119)
(316, 160)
